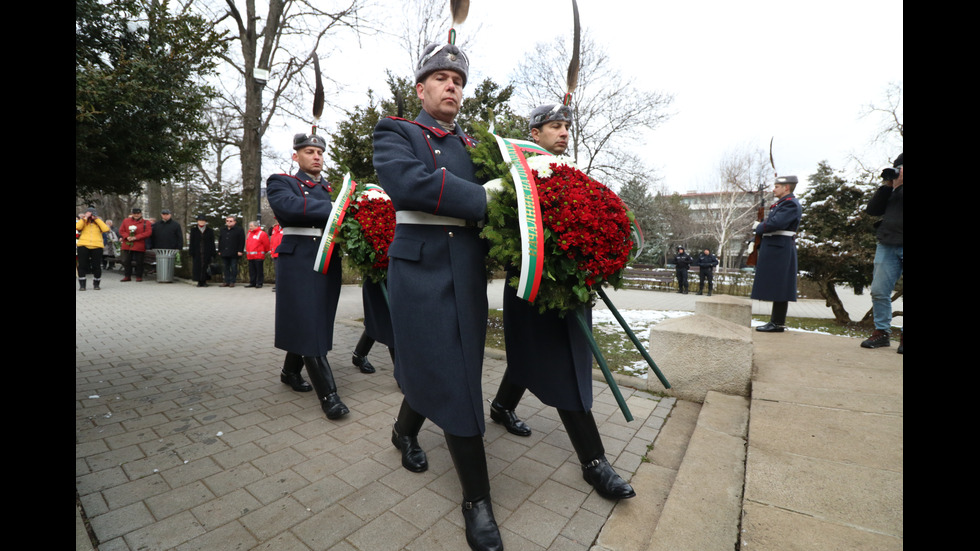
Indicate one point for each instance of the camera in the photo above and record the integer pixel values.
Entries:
(890, 173)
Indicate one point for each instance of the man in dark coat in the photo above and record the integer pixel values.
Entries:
(437, 281)
(201, 251)
(775, 273)
(231, 247)
(306, 299)
(548, 354)
(706, 270)
(889, 203)
(167, 233)
(682, 263)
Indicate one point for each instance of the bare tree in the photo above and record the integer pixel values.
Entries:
(892, 114)
(268, 70)
(745, 175)
(224, 142)
(422, 22)
(890, 136)
(609, 109)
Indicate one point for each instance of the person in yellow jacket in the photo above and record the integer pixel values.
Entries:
(89, 247)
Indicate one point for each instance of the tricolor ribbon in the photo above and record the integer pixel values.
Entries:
(365, 188)
(636, 234)
(330, 233)
(529, 213)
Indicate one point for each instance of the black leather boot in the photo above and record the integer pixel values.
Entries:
(404, 435)
(326, 389)
(502, 408)
(362, 363)
(482, 533)
(359, 355)
(290, 373)
(777, 321)
(470, 460)
(596, 470)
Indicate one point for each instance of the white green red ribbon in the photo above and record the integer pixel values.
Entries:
(363, 189)
(636, 234)
(529, 214)
(330, 233)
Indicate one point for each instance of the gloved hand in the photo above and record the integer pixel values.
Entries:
(755, 225)
(493, 186)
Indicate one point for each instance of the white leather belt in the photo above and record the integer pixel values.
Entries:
(419, 217)
(780, 232)
(312, 232)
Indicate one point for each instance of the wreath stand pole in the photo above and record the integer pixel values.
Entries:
(632, 336)
(602, 364)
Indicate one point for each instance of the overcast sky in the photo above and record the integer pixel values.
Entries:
(741, 72)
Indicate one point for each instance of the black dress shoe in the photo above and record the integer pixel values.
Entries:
(296, 381)
(362, 363)
(509, 420)
(481, 528)
(771, 328)
(333, 407)
(600, 474)
(413, 456)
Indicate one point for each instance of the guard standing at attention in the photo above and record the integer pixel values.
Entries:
(775, 273)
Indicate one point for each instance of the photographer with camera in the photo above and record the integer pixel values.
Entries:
(889, 203)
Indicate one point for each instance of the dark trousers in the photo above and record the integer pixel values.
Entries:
(256, 275)
(132, 257)
(231, 268)
(682, 280)
(779, 310)
(89, 261)
(710, 277)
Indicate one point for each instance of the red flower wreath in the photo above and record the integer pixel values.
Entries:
(367, 232)
(588, 233)
(589, 221)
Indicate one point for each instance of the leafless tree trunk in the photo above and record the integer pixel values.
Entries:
(282, 42)
(744, 174)
(609, 110)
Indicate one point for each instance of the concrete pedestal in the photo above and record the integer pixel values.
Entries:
(737, 310)
(700, 353)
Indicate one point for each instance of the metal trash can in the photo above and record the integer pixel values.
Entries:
(166, 258)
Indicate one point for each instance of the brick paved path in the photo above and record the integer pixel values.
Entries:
(185, 439)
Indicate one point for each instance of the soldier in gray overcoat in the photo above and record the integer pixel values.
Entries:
(306, 300)
(437, 281)
(549, 355)
(775, 272)
(377, 326)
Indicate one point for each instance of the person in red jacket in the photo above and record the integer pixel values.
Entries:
(133, 233)
(256, 247)
(275, 238)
